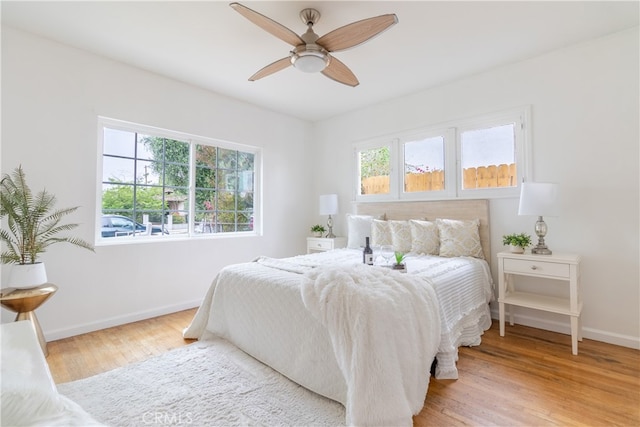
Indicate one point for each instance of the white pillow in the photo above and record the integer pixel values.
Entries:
(359, 227)
(400, 236)
(425, 238)
(459, 238)
(380, 233)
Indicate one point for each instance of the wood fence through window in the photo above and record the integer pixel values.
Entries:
(492, 176)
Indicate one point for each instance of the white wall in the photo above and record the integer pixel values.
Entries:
(51, 97)
(585, 136)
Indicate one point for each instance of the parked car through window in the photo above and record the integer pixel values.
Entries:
(118, 225)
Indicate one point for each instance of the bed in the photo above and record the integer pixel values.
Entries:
(327, 322)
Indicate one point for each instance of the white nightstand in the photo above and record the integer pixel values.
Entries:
(321, 244)
(565, 267)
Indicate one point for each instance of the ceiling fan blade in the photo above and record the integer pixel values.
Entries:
(356, 33)
(339, 72)
(274, 67)
(268, 24)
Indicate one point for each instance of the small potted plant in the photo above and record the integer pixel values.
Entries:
(317, 230)
(399, 264)
(33, 224)
(517, 242)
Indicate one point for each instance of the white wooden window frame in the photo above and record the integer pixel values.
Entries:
(105, 122)
(448, 135)
(451, 131)
(520, 117)
(392, 143)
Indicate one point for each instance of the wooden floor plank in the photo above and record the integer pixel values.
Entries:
(527, 378)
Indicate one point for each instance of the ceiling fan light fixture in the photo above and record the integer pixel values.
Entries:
(310, 63)
(309, 60)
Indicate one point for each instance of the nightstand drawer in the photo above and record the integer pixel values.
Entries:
(537, 268)
(320, 244)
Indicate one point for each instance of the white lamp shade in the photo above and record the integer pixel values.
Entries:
(328, 204)
(539, 199)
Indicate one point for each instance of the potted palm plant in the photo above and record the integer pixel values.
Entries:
(33, 224)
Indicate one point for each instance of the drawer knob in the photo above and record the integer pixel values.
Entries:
(533, 267)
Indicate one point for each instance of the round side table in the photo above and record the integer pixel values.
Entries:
(24, 302)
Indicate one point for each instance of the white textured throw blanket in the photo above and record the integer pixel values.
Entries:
(385, 330)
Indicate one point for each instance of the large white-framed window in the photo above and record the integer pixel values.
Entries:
(481, 157)
(156, 184)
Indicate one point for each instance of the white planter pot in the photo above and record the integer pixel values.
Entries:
(23, 276)
(516, 249)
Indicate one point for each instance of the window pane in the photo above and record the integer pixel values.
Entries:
(149, 148)
(245, 161)
(245, 181)
(205, 177)
(119, 143)
(489, 157)
(424, 165)
(148, 172)
(205, 211)
(375, 168)
(116, 169)
(245, 201)
(176, 175)
(206, 156)
(227, 158)
(176, 151)
(226, 180)
(117, 199)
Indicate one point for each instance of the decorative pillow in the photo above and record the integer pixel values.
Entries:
(380, 233)
(459, 238)
(424, 237)
(359, 227)
(400, 236)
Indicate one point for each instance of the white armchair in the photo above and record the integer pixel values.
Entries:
(29, 395)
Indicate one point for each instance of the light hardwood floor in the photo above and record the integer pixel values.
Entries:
(527, 378)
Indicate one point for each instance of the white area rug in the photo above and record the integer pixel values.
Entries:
(207, 383)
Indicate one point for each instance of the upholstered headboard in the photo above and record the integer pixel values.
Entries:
(430, 210)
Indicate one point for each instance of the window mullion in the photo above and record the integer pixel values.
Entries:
(191, 212)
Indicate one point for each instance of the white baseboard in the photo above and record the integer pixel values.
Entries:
(534, 322)
(119, 320)
(565, 328)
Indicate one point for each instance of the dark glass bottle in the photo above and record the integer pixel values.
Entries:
(367, 253)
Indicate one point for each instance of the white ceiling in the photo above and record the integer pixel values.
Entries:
(208, 44)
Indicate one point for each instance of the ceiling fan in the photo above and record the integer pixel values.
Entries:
(311, 53)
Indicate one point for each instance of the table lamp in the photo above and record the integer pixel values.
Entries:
(329, 206)
(539, 199)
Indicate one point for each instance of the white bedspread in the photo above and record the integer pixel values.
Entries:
(385, 331)
(258, 307)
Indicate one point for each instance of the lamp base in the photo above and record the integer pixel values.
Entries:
(541, 231)
(541, 250)
(330, 234)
